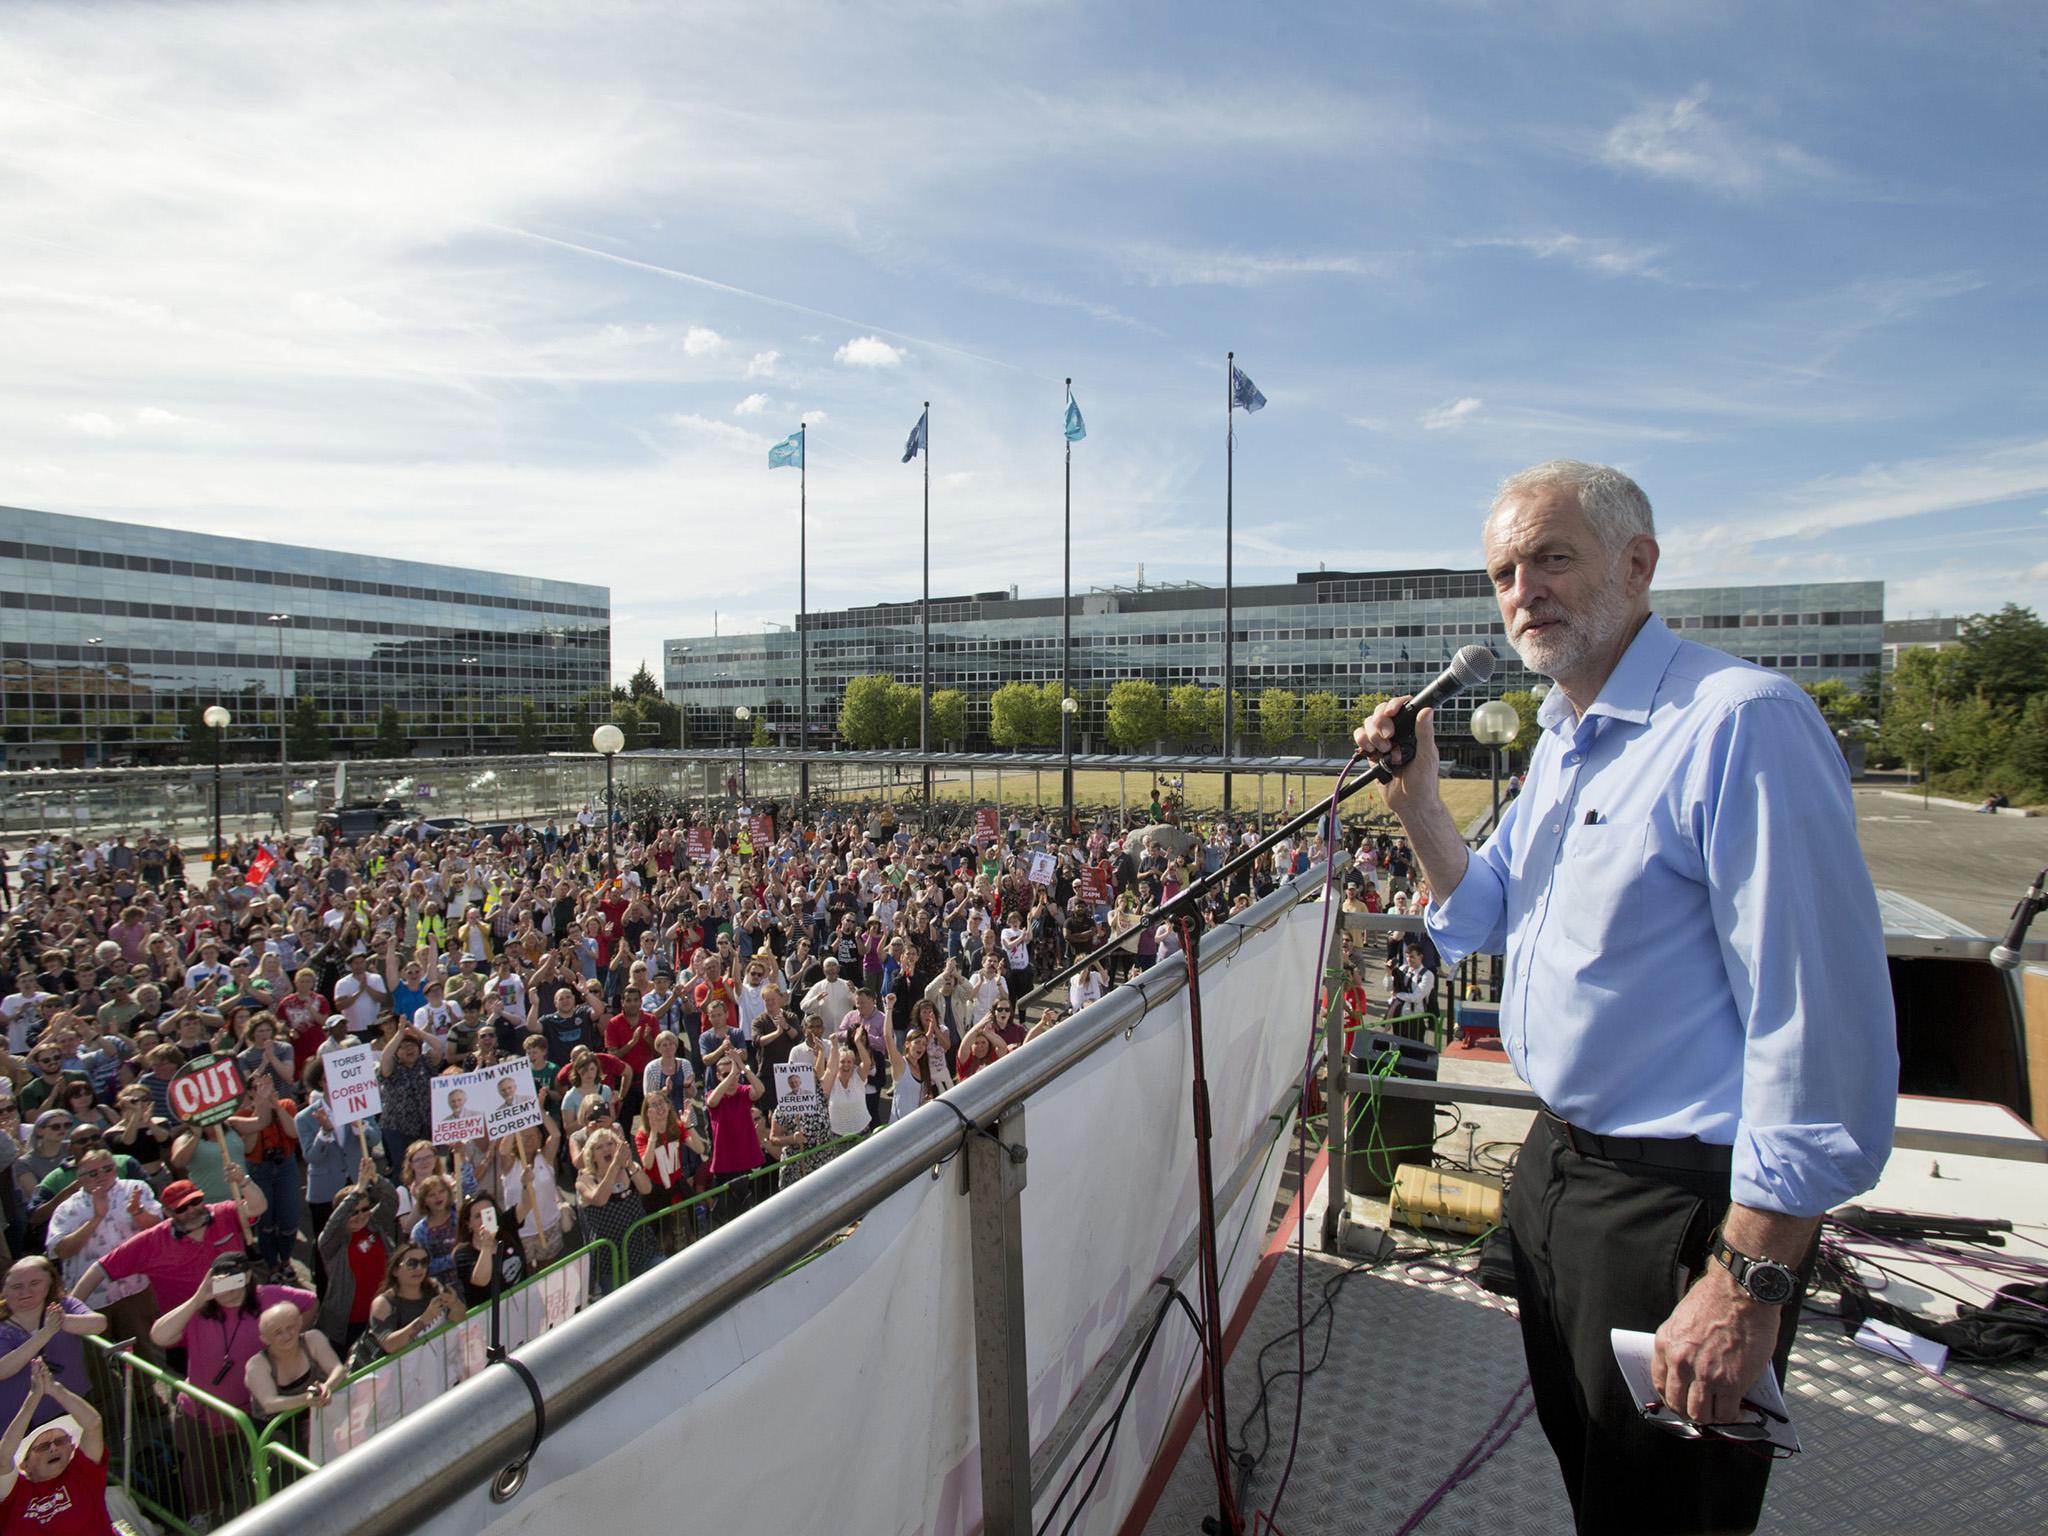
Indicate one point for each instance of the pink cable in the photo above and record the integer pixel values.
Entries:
(1308, 1068)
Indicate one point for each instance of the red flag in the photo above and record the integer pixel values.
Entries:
(260, 866)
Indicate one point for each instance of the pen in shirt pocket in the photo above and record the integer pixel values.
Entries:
(1592, 818)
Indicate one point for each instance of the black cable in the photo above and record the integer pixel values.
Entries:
(1109, 1426)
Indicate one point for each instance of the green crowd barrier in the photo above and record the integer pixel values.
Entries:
(187, 1459)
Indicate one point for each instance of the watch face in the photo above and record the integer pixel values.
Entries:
(1772, 1284)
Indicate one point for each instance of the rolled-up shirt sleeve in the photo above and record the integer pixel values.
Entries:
(1473, 919)
(1803, 950)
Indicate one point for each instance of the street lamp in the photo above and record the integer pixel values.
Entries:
(743, 715)
(1068, 706)
(98, 643)
(1926, 758)
(609, 740)
(217, 720)
(284, 767)
(1494, 725)
(475, 689)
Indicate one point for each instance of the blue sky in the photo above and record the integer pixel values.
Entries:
(535, 287)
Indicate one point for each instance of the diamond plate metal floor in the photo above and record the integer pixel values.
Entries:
(1420, 1363)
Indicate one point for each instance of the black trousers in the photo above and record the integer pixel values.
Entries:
(1602, 1245)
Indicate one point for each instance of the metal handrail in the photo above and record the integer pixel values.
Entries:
(471, 1434)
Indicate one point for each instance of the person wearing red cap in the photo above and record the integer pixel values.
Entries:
(176, 1254)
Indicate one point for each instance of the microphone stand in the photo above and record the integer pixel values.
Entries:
(1196, 889)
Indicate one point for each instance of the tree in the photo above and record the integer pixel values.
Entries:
(1187, 715)
(1137, 715)
(1920, 685)
(949, 718)
(1279, 719)
(2027, 753)
(530, 735)
(2004, 656)
(643, 685)
(1013, 715)
(1322, 720)
(1365, 704)
(762, 737)
(390, 740)
(867, 711)
(1838, 705)
(1525, 706)
(305, 736)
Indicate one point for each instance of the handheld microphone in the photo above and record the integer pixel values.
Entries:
(2006, 956)
(1473, 664)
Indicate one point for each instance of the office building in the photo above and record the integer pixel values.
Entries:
(1346, 632)
(114, 637)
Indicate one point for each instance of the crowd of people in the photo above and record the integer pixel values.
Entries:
(652, 982)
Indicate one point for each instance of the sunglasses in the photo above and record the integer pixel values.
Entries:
(412, 1263)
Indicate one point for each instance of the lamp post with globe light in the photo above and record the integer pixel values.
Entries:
(217, 720)
(1068, 706)
(1494, 725)
(1926, 758)
(609, 740)
(743, 714)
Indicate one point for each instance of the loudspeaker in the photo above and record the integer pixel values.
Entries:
(1412, 1058)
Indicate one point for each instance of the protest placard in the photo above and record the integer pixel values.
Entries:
(351, 1077)
(1042, 865)
(492, 1101)
(1094, 887)
(985, 825)
(697, 845)
(796, 1087)
(207, 1090)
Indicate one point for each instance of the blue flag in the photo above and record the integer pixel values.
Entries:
(1076, 427)
(919, 438)
(788, 454)
(1244, 393)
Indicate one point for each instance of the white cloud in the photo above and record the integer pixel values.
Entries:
(753, 405)
(699, 339)
(157, 416)
(1443, 417)
(868, 352)
(1167, 267)
(1603, 258)
(92, 424)
(1682, 141)
(724, 433)
(763, 365)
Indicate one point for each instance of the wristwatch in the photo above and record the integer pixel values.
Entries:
(1765, 1280)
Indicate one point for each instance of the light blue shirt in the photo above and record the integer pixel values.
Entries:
(1692, 940)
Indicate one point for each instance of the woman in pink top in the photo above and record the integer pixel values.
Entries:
(735, 1140)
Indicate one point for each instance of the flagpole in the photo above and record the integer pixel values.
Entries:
(803, 638)
(1067, 647)
(924, 696)
(1229, 616)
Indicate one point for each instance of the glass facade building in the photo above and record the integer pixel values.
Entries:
(1349, 633)
(115, 636)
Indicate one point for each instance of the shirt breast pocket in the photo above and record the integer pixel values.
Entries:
(1599, 889)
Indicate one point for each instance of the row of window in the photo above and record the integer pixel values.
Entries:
(199, 570)
(180, 613)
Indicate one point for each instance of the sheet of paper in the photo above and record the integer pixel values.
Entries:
(1633, 1353)
(1897, 1343)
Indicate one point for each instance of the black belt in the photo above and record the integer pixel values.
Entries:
(1686, 1154)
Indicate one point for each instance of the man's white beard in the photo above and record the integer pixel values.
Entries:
(1583, 637)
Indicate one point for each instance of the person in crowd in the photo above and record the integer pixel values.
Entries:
(100, 1214)
(490, 1244)
(38, 1322)
(177, 1254)
(434, 1225)
(355, 1244)
(612, 1189)
(411, 1305)
(295, 1368)
(54, 1479)
(736, 1148)
(673, 1155)
(268, 1127)
(218, 1328)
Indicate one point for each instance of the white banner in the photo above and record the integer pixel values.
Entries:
(350, 1074)
(880, 1329)
(491, 1101)
(423, 1373)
